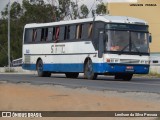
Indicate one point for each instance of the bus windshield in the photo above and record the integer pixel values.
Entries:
(127, 40)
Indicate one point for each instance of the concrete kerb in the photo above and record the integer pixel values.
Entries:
(15, 70)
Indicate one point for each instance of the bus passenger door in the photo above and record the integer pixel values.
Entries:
(101, 43)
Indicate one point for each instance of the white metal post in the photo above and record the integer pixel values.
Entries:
(9, 35)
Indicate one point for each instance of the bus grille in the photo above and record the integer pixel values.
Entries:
(131, 61)
(27, 59)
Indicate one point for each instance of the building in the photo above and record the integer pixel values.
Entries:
(143, 9)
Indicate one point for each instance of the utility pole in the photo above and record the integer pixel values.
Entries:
(9, 65)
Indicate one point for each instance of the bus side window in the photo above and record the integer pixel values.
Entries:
(67, 33)
(34, 35)
(90, 30)
(77, 34)
(50, 34)
(54, 33)
(57, 34)
(79, 31)
(62, 33)
(73, 32)
(38, 38)
(42, 35)
(46, 34)
(85, 31)
(28, 35)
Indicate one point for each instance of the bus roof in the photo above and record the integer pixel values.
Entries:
(106, 18)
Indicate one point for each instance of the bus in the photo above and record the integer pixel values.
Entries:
(103, 45)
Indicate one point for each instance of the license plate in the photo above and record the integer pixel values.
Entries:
(130, 68)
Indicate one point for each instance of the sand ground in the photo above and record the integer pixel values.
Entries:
(27, 97)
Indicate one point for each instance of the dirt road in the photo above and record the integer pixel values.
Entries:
(26, 97)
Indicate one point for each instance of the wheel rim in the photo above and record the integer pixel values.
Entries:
(40, 67)
(89, 69)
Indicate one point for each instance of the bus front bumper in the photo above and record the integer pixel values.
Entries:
(121, 68)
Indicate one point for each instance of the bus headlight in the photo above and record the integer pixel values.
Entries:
(144, 62)
(108, 60)
(113, 60)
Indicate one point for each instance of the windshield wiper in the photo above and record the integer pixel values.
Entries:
(127, 46)
(123, 49)
(136, 48)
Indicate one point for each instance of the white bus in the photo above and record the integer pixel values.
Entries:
(104, 45)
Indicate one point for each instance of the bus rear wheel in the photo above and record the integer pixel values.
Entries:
(40, 71)
(88, 71)
(72, 75)
(124, 76)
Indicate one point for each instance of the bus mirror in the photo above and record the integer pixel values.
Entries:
(150, 38)
(101, 44)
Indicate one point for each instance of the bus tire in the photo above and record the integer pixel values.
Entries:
(40, 71)
(88, 71)
(72, 75)
(40, 68)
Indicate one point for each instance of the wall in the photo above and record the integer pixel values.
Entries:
(148, 13)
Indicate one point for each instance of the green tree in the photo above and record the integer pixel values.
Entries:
(16, 41)
(101, 9)
(35, 12)
(64, 9)
(84, 11)
(74, 8)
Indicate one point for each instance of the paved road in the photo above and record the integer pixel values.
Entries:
(149, 85)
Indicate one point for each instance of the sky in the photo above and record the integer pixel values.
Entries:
(3, 3)
(89, 3)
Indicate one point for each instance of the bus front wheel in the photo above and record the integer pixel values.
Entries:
(40, 71)
(88, 71)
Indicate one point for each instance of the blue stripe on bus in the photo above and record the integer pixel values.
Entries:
(98, 68)
(118, 68)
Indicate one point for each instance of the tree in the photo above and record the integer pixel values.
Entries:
(38, 12)
(16, 41)
(101, 9)
(74, 8)
(54, 4)
(84, 11)
(35, 12)
(64, 9)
